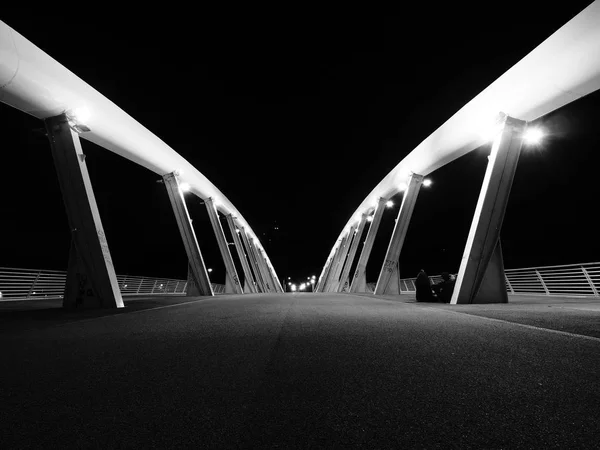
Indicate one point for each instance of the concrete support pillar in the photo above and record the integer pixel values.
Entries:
(91, 279)
(260, 283)
(324, 274)
(344, 282)
(331, 272)
(336, 270)
(276, 281)
(389, 276)
(359, 281)
(267, 283)
(262, 257)
(232, 281)
(198, 280)
(249, 285)
(481, 274)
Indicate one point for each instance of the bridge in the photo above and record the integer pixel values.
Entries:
(240, 362)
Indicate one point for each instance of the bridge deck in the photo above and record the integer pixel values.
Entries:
(302, 371)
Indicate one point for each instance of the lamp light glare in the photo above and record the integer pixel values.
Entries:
(389, 203)
(370, 219)
(426, 182)
(184, 187)
(402, 186)
(533, 136)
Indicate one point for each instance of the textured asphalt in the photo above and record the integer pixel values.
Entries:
(297, 371)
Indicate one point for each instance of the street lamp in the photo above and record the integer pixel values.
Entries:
(533, 136)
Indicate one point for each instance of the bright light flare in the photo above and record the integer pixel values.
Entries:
(533, 136)
(370, 219)
(402, 186)
(81, 115)
(293, 287)
(184, 187)
(389, 203)
(426, 182)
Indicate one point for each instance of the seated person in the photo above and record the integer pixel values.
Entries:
(424, 292)
(445, 287)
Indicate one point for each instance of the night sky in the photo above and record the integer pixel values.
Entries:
(295, 115)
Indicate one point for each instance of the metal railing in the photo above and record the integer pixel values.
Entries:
(580, 280)
(29, 284)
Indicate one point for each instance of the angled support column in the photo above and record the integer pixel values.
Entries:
(267, 270)
(336, 270)
(344, 282)
(266, 280)
(249, 285)
(481, 274)
(324, 274)
(91, 279)
(198, 281)
(359, 281)
(333, 265)
(276, 281)
(389, 277)
(260, 284)
(264, 269)
(232, 281)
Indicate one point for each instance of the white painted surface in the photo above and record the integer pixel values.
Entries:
(563, 68)
(35, 83)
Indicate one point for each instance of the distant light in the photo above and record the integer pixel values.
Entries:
(184, 187)
(402, 186)
(389, 203)
(427, 182)
(314, 276)
(533, 136)
(370, 219)
(302, 286)
(289, 283)
(209, 270)
(293, 287)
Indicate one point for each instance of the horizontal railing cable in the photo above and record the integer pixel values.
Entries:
(28, 284)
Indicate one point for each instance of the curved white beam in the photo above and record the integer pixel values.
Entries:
(565, 67)
(35, 83)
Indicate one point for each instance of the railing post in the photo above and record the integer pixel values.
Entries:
(590, 281)
(153, 286)
(140, 286)
(33, 285)
(542, 281)
(512, 291)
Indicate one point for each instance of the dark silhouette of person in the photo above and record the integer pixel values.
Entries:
(445, 287)
(424, 292)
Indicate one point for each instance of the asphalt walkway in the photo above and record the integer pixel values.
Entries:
(301, 371)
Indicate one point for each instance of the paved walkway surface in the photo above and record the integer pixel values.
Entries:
(301, 371)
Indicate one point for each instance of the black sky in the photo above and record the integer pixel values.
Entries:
(295, 115)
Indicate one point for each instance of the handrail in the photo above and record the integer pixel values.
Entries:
(35, 83)
(30, 284)
(561, 69)
(580, 280)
